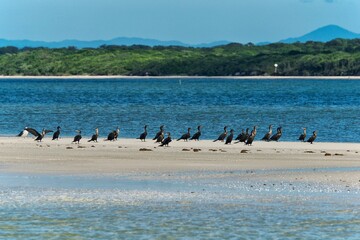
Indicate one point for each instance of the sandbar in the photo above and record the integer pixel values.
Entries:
(329, 163)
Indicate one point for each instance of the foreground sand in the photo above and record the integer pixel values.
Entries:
(127, 156)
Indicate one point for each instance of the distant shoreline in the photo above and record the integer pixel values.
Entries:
(2, 77)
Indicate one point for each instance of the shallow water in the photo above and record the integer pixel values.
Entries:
(194, 205)
(330, 106)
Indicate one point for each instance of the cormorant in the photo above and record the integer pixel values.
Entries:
(95, 136)
(252, 136)
(166, 141)
(277, 135)
(222, 136)
(112, 136)
(197, 135)
(78, 137)
(56, 134)
(160, 138)
(185, 136)
(38, 136)
(245, 136)
(144, 134)
(240, 135)
(268, 134)
(303, 135)
(250, 139)
(313, 137)
(230, 137)
(159, 132)
(23, 133)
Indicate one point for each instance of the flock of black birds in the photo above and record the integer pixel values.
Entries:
(244, 136)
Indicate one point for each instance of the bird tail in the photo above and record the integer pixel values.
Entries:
(215, 140)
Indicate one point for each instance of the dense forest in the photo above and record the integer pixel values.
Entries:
(338, 57)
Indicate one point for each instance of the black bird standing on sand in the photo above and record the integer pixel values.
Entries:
(56, 134)
(38, 136)
(197, 135)
(222, 136)
(78, 137)
(166, 141)
(313, 137)
(144, 134)
(240, 135)
(243, 136)
(95, 136)
(159, 132)
(252, 136)
(185, 136)
(230, 137)
(160, 138)
(112, 136)
(268, 134)
(303, 135)
(277, 135)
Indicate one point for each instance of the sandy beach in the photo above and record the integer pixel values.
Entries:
(127, 156)
(109, 77)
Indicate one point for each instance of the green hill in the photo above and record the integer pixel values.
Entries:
(335, 58)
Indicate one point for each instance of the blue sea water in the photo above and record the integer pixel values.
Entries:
(194, 205)
(331, 107)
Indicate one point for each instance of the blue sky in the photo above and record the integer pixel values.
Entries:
(190, 21)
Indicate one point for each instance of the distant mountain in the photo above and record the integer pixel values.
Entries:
(324, 34)
(121, 41)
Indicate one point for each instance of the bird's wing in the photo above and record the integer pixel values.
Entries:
(33, 132)
(222, 136)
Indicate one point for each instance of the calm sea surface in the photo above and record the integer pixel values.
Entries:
(330, 106)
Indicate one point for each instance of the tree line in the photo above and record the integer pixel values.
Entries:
(338, 57)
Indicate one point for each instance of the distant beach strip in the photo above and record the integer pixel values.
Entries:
(119, 77)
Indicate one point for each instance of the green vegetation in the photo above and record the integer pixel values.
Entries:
(335, 58)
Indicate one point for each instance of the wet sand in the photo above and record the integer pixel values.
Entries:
(131, 156)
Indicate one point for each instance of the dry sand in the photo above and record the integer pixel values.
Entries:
(130, 156)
